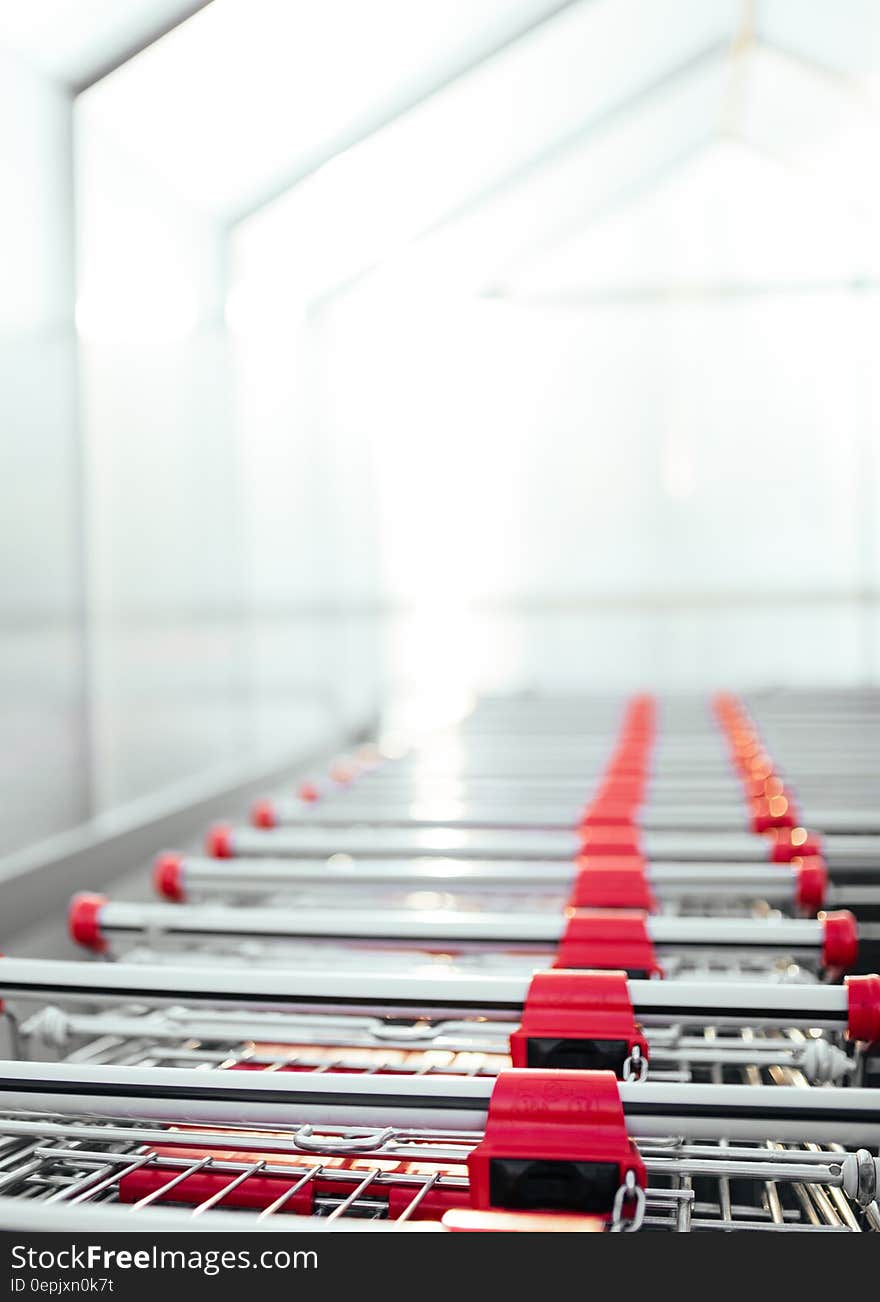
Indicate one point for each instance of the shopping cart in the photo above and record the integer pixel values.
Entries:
(387, 1023)
(639, 943)
(610, 881)
(536, 1150)
(406, 1003)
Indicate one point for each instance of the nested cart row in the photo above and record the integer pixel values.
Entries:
(567, 966)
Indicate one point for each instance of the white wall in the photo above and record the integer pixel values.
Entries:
(169, 657)
(41, 670)
(177, 600)
(671, 492)
(309, 517)
(214, 581)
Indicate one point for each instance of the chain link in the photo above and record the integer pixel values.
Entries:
(629, 1192)
(635, 1068)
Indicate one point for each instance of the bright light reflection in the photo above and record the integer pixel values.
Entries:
(440, 789)
(435, 902)
(137, 315)
(445, 868)
(440, 811)
(256, 306)
(444, 838)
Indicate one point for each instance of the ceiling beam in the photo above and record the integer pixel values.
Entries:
(368, 126)
(555, 150)
(682, 293)
(188, 9)
(625, 197)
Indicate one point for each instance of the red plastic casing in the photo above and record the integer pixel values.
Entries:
(84, 920)
(863, 993)
(609, 840)
(793, 843)
(841, 947)
(775, 811)
(219, 843)
(617, 789)
(764, 788)
(612, 938)
(553, 1116)
(264, 814)
(565, 1005)
(168, 877)
(628, 766)
(612, 882)
(609, 813)
(812, 883)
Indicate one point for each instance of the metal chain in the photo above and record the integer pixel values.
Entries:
(628, 1192)
(635, 1067)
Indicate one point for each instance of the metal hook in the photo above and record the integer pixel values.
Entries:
(363, 1143)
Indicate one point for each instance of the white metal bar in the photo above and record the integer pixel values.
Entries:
(772, 882)
(436, 1103)
(423, 926)
(443, 994)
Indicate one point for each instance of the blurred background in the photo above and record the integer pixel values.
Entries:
(363, 353)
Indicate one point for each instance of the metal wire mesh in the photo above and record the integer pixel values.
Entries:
(393, 1174)
(390, 1046)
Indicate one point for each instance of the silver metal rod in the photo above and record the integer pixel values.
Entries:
(771, 882)
(25, 1217)
(425, 812)
(185, 1096)
(702, 846)
(849, 1117)
(730, 812)
(425, 926)
(437, 995)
